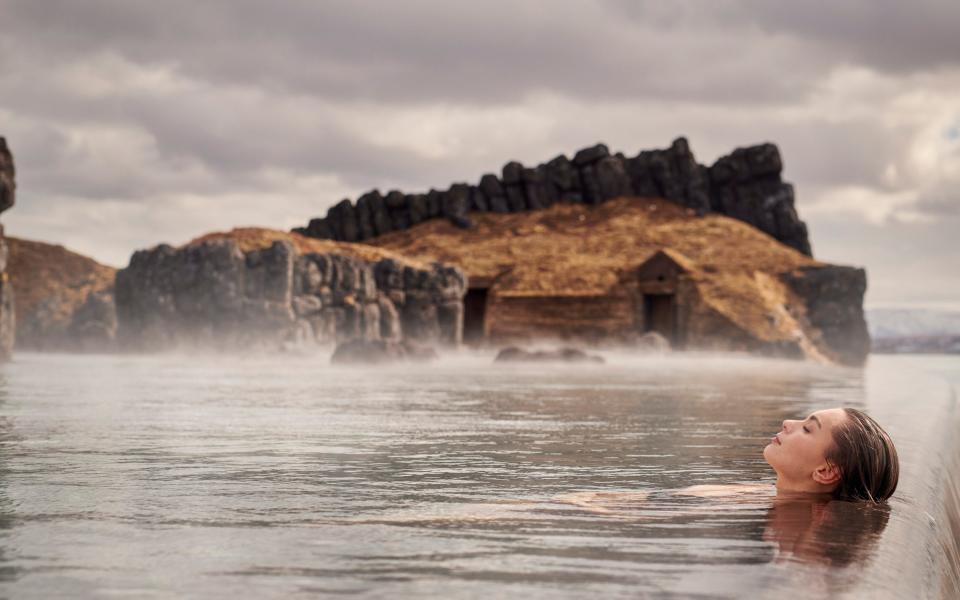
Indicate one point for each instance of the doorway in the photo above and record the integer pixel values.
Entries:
(474, 315)
(658, 314)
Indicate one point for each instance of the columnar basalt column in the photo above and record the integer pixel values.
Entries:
(745, 185)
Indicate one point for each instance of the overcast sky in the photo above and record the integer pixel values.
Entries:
(134, 123)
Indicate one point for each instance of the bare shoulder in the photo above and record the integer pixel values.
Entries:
(603, 502)
(723, 490)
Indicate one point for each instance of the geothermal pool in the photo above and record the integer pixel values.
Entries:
(173, 476)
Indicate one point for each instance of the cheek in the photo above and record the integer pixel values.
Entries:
(804, 454)
(794, 457)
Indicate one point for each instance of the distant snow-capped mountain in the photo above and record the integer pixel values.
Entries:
(909, 322)
(905, 330)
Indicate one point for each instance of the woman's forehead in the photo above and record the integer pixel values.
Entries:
(829, 416)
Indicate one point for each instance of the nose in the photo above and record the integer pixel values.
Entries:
(786, 424)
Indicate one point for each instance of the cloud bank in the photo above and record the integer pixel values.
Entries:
(138, 122)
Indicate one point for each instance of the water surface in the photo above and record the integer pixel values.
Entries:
(172, 476)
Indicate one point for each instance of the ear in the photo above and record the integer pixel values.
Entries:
(826, 474)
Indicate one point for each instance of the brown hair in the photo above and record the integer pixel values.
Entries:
(866, 457)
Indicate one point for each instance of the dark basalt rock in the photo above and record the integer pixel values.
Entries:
(533, 188)
(612, 178)
(399, 214)
(434, 203)
(673, 174)
(364, 213)
(568, 355)
(317, 228)
(382, 223)
(478, 200)
(8, 188)
(744, 185)
(388, 274)
(692, 177)
(590, 185)
(513, 186)
(377, 352)
(492, 188)
(343, 221)
(214, 295)
(833, 297)
(590, 155)
(563, 180)
(8, 184)
(418, 210)
(456, 205)
(512, 173)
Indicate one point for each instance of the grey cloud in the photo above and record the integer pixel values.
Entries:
(886, 35)
(204, 141)
(906, 262)
(940, 201)
(421, 52)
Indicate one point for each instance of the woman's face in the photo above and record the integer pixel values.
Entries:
(799, 449)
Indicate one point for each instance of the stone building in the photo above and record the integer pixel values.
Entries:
(607, 274)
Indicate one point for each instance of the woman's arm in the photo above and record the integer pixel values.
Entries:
(724, 490)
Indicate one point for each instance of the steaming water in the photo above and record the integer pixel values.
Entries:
(178, 476)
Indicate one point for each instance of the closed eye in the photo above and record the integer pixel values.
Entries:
(805, 429)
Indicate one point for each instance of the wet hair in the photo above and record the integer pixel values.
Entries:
(866, 457)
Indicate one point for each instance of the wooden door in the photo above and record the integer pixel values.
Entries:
(659, 314)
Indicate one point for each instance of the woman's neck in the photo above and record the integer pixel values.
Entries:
(786, 486)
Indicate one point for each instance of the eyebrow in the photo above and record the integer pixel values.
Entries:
(820, 425)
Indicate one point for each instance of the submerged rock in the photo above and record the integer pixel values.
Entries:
(652, 341)
(516, 354)
(375, 352)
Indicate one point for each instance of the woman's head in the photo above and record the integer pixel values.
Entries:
(840, 451)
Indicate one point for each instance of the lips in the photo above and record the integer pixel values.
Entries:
(776, 440)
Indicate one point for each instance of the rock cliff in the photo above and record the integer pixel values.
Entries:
(262, 288)
(8, 188)
(745, 185)
(64, 299)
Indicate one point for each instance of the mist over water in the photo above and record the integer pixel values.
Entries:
(172, 475)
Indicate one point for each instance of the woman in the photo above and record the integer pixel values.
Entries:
(838, 453)
(841, 452)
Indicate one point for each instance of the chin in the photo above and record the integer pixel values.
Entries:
(766, 453)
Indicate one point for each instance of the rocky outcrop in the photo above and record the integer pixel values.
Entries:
(833, 304)
(564, 355)
(8, 188)
(377, 352)
(744, 185)
(611, 274)
(222, 293)
(64, 299)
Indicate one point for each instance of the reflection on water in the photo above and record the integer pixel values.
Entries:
(831, 533)
(170, 476)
